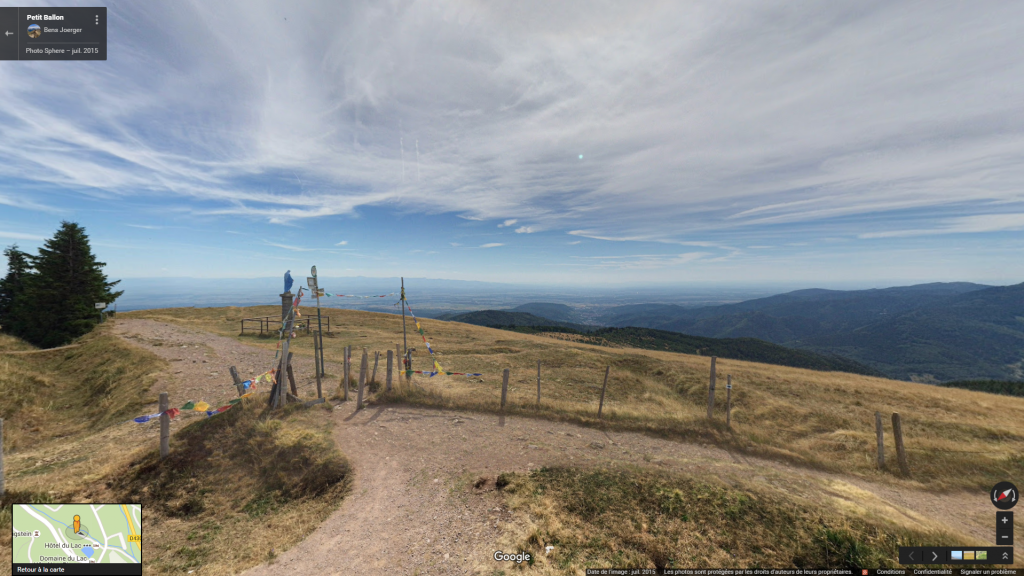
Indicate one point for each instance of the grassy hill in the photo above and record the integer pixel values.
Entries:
(749, 349)
(556, 312)
(506, 318)
(956, 438)
(991, 386)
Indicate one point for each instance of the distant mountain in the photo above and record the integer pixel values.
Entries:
(791, 316)
(929, 332)
(559, 312)
(495, 318)
(977, 335)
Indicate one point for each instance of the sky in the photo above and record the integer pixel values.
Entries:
(532, 142)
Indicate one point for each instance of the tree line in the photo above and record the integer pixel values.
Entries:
(48, 299)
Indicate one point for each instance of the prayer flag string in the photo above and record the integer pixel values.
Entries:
(354, 296)
(437, 366)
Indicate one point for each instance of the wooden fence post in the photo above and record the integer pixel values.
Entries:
(363, 365)
(603, 388)
(2, 457)
(376, 358)
(238, 381)
(318, 341)
(165, 426)
(728, 400)
(504, 388)
(390, 360)
(291, 376)
(344, 372)
(901, 454)
(348, 365)
(881, 443)
(711, 389)
(538, 383)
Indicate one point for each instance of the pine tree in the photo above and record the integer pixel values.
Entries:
(57, 303)
(18, 269)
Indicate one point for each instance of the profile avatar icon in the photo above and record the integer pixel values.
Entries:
(34, 30)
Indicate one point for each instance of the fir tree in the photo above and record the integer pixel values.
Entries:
(18, 269)
(57, 302)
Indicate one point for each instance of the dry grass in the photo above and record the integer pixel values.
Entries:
(644, 518)
(66, 439)
(956, 438)
(237, 489)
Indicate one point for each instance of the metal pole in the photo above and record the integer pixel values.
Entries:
(320, 327)
(405, 343)
(318, 337)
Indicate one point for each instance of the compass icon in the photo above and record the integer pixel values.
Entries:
(1004, 495)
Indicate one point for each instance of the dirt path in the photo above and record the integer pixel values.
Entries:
(413, 509)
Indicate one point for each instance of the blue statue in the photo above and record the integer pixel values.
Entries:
(288, 281)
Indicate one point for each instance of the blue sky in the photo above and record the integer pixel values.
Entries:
(823, 143)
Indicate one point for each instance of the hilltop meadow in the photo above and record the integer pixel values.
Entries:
(956, 439)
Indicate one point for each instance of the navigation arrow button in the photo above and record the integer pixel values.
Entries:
(9, 33)
(935, 556)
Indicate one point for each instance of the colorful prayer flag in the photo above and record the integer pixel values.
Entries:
(189, 405)
(201, 407)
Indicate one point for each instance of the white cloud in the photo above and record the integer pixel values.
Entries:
(145, 226)
(342, 243)
(574, 243)
(455, 244)
(20, 236)
(525, 230)
(694, 118)
(491, 245)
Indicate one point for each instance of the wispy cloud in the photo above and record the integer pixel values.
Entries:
(963, 225)
(288, 247)
(708, 124)
(768, 144)
(642, 261)
(342, 243)
(20, 236)
(491, 245)
(144, 226)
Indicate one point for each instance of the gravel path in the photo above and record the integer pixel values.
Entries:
(413, 508)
